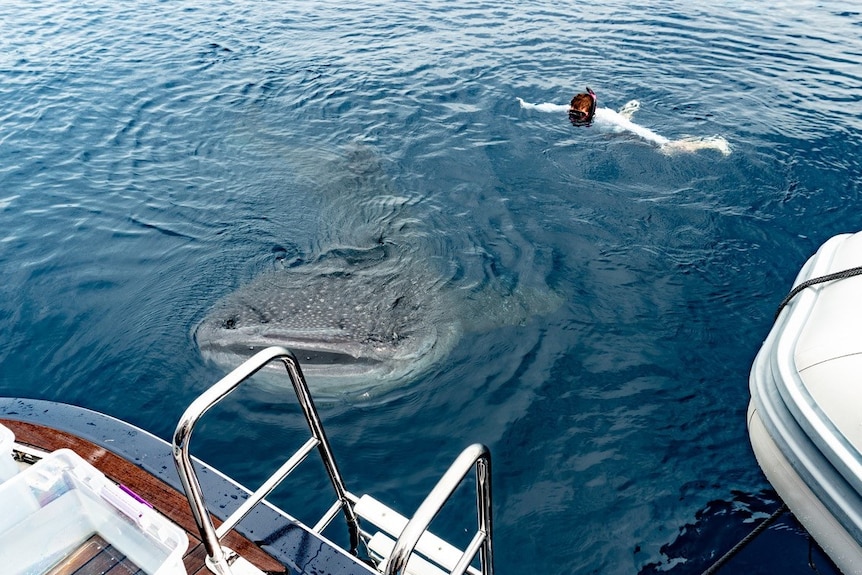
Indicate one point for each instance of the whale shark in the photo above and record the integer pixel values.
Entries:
(371, 308)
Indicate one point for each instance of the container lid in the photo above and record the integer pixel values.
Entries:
(7, 438)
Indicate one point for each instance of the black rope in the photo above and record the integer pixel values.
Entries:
(822, 279)
(811, 555)
(745, 541)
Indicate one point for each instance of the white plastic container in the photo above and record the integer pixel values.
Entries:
(51, 509)
(8, 467)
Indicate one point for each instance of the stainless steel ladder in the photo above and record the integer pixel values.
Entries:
(412, 534)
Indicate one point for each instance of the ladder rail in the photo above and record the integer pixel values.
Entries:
(478, 456)
(210, 537)
(268, 486)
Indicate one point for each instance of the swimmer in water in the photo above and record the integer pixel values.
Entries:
(583, 108)
(583, 111)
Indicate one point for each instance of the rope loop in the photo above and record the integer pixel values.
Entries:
(814, 281)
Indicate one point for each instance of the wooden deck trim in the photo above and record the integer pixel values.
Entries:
(164, 498)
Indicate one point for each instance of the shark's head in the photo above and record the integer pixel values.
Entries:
(353, 329)
(373, 305)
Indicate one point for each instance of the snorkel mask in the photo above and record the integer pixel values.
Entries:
(581, 118)
(593, 107)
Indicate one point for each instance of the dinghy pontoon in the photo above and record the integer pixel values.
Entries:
(805, 415)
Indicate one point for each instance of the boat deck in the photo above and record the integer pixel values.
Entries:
(162, 496)
(268, 538)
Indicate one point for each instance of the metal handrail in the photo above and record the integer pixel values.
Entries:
(210, 537)
(478, 455)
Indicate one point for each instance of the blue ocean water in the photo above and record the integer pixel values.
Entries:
(155, 156)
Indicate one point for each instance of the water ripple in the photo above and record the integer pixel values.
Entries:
(154, 156)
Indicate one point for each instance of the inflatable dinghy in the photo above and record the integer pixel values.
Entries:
(805, 415)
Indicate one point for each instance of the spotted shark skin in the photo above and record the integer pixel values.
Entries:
(369, 311)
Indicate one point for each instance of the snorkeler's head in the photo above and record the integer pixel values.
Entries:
(583, 108)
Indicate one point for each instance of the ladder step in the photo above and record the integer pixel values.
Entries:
(392, 524)
(382, 546)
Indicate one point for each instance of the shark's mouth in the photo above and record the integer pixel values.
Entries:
(309, 357)
(314, 357)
